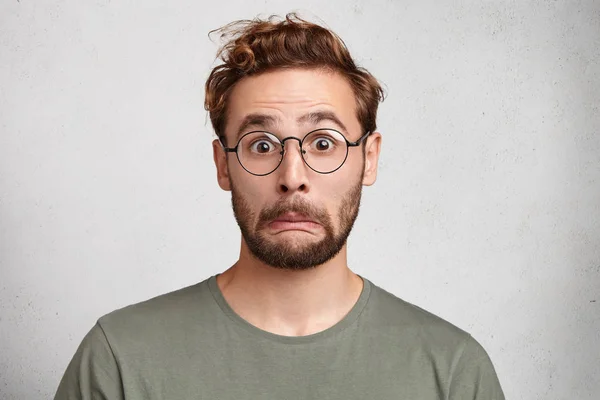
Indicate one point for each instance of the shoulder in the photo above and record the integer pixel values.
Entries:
(458, 357)
(171, 313)
(396, 315)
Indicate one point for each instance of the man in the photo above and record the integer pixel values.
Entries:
(295, 120)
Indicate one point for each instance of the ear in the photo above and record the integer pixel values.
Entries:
(373, 148)
(220, 157)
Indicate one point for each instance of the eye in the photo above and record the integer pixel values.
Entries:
(262, 146)
(322, 144)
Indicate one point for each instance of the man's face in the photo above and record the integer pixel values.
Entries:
(294, 218)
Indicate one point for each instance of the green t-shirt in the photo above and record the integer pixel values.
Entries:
(190, 344)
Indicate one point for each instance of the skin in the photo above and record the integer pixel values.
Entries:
(287, 301)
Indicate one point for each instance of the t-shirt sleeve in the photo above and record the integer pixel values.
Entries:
(473, 376)
(93, 373)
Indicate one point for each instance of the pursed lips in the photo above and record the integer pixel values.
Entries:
(294, 221)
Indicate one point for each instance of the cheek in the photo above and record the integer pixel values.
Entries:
(253, 189)
(341, 186)
(332, 192)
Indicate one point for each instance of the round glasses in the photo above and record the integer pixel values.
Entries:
(323, 150)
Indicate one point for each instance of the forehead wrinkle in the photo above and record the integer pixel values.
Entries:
(267, 119)
(275, 100)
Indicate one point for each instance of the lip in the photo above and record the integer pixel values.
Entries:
(293, 217)
(294, 221)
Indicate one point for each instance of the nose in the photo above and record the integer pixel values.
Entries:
(293, 172)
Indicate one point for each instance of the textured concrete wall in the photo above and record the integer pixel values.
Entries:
(486, 211)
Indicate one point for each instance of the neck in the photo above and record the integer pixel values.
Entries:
(289, 302)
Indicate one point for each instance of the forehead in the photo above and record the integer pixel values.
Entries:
(288, 94)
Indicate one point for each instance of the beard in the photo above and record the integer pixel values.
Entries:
(290, 254)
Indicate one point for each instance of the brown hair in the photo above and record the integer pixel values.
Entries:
(256, 46)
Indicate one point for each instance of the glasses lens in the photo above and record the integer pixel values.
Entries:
(325, 150)
(259, 152)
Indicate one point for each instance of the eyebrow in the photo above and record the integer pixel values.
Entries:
(258, 120)
(268, 121)
(320, 116)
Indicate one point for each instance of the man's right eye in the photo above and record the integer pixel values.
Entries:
(262, 147)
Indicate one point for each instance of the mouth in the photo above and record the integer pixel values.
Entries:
(294, 221)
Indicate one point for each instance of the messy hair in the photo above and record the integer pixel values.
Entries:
(256, 46)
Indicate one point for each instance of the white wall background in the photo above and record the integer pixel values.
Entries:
(486, 211)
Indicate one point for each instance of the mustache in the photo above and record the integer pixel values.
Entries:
(298, 206)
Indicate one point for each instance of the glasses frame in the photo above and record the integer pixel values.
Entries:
(300, 142)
